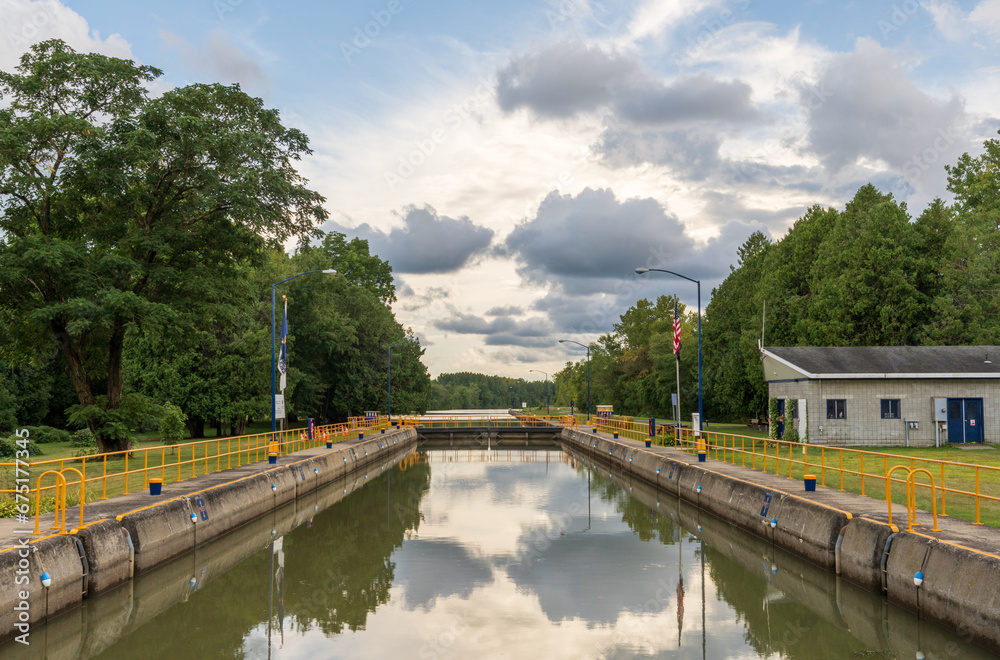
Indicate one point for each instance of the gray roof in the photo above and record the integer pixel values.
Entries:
(886, 360)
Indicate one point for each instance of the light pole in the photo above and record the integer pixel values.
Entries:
(328, 271)
(570, 341)
(701, 410)
(389, 387)
(546, 389)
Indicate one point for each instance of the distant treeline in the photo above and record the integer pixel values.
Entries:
(465, 390)
(870, 275)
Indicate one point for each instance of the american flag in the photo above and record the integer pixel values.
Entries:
(677, 331)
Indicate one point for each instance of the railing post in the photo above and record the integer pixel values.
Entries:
(862, 474)
(978, 522)
(942, 490)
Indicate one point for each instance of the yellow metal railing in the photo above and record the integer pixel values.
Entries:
(867, 472)
(847, 469)
(113, 473)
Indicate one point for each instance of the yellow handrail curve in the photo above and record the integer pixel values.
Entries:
(60, 499)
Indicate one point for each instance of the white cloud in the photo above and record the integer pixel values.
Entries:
(956, 25)
(986, 17)
(27, 22)
(656, 17)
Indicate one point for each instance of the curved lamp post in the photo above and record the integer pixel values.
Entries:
(570, 341)
(389, 387)
(546, 389)
(701, 411)
(328, 271)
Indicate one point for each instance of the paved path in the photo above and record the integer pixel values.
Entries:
(12, 531)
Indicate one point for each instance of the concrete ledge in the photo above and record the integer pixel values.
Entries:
(960, 590)
(861, 552)
(109, 559)
(803, 527)
(160, 532)
(21, 571)
(164, 531)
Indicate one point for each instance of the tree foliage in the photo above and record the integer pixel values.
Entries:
(139, 238)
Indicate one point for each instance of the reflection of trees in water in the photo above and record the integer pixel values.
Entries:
(645, 522)
(336, 571)
(342, 570)
(772, 622)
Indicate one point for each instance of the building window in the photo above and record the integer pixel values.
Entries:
(890, 408)
(836, 408)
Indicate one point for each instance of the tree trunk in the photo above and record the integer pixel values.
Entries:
(218, 428)
(240, 427)
(196, 427)
(116, 382)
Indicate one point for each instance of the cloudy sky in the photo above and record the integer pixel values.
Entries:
(516, 161)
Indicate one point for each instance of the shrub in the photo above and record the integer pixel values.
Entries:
(172, 426)
(8, 508)
(83, 439)
(46, 434)
(791, 430)
(9, 447)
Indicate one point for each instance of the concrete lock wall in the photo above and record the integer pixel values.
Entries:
(107, 553)
(59, 556)
(961, 588)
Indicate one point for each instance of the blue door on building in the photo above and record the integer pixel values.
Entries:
(965, 420)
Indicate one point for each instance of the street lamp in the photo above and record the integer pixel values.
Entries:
(328, 271)
(701, 411)
(546, 389)
(570, 341)
(389, 387)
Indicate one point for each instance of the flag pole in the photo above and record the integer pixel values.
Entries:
(284, 355)
(677, 354)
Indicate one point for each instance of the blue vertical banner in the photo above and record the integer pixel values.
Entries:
(283, 355)
(652, 427)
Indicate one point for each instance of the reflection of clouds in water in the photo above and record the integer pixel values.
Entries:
(502, 619)
(464, 588)
(428, 570)
(583, 575)
(492, 507)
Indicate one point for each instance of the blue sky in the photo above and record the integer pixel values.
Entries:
(516, 161)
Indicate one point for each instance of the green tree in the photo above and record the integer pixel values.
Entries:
(866, 278)
(967, 298)
(732, 332)
(118, 209)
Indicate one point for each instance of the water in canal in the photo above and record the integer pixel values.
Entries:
(489, 554)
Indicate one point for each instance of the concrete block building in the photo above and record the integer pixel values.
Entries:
(888, 395)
